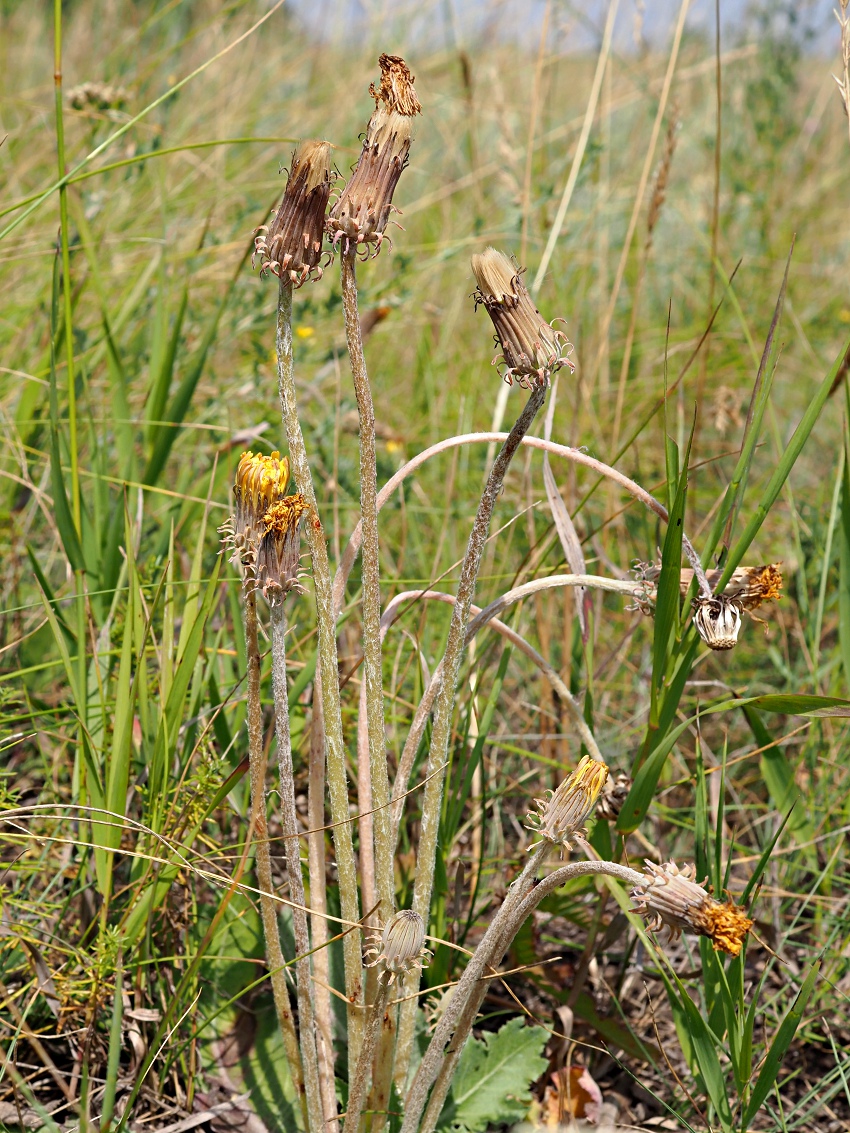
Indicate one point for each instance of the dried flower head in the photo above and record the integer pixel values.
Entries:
(361, 214)
(400, 947)
(718, 620)
(532, 350)
(97, 96)
(562, 816)
(260, 481)
(614, 794)
(279, 549)
(672, 899)
(292, 244)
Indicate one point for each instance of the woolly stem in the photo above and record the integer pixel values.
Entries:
(289, 824)
(444, 706)
(268, 909)
(329, 670)
(360, 1081)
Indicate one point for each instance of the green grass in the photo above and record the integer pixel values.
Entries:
(123, 661)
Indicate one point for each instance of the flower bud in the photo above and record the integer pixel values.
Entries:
(532, 350)
(362, 212)
(671, 898)
(562, 816)
(400, 947)
(292, 244)
(718, 620)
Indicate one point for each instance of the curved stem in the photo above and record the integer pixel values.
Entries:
(268, 910)
(289, 825)
(444, 703)
(329, 669)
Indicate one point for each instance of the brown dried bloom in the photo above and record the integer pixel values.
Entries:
(400, 947)
(718, 620)
(562, 816)
(532, 349)
(361, 214)
(279, 548)
(672, 899)
(749, 586)
(259, 483)
(614, 794)
(292, 244)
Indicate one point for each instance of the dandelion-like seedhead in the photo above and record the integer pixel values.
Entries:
(264, 530)
(718, 620)
(361, 214)
(401, 946)
(671, 898)
(532, 349)
(292, 244)
(561, 817)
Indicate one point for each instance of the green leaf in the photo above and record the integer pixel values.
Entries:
(642, 791)
(493, 1076)
(704, 1045)
(844, 567)
(781, 1042)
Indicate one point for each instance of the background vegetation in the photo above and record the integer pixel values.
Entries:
(122, 652)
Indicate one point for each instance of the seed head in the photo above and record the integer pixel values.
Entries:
(532, 350)
(718, 620)
(672, 899)
(562, 816)
(292, 244)
(361, 214)
(400, 947)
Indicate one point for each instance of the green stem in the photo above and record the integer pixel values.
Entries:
(329, 670)
(268, 908)
(360, 1080)
(444, 706)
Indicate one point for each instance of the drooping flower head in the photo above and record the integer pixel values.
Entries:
(561, 817)
(718, 620)
(532, 350)
(671, 898)
(264, 529)
(400, 947)
(292, 244)
(361, 214)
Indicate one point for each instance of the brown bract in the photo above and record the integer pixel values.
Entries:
(532, 350)
(670, 898)
(292, 244)
(362, 213)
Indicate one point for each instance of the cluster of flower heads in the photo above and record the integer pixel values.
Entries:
(264, 530)
(400, 948)
(671, 898)
(532, 349)
(292, 245)
(559, 819)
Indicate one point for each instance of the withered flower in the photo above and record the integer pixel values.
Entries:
(279, 548)
(532, 350)
(614, 794)
(292, 244)
(718, 620)
(361, 214)
(400, 947)
(750, 586)
(672, 899)
(562, 816)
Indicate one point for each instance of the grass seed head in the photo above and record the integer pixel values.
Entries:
(532, 350)
(718, 620)
(292, 244)
(562, 816)
(362, 212)
(671, 898)
(400, 947)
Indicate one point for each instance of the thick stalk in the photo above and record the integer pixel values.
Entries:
(268, 908)
(329, 670)
(372, 670)
(360, 1081)
(289, 824)
(319, 909)
(444, 706)
(506, 925)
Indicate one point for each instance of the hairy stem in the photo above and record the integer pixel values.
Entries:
(329, 670)
(373, 676)
(289, 824)
(360, 1081)
(268, 908)
(444, 706)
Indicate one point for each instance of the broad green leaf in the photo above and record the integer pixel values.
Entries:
(493, 1076)
(781, 1041)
